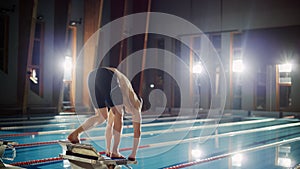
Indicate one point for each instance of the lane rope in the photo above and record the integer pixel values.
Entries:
(153, 145)
(175, 142)
(171, 131)
(235, 133)
(45, 160)
(183, 165)
(65, 124)
(130, 126)
(42, 143)
(196, 162)
(54, 159)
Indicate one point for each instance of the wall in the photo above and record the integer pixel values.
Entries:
(45, 9)
(270, 27)
(295, 93)
(9, 81)
(208, 15)
(233, 14)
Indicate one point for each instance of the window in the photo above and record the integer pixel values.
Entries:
(237, 62)
(285, 73)
(261, 89)
(216, 41)
(237, 92)
(284, 84)
(36, 60)
(69, 70)
(4, 21)
(285, 96)
(237, 69)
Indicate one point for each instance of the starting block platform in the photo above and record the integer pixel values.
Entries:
(82, 156)
(4, 145)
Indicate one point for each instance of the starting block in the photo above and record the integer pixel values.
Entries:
(10, 145)
(83, 156)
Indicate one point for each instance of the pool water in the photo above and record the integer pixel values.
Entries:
(256, 143)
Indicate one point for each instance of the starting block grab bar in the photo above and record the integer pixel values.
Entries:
(86, 156)
(7, 145)
(4, 146)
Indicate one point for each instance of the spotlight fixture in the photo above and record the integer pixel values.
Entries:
(6, 11)
(238, 66)
(74, 22)
(197, 68)
(40, 17)
(151, 85)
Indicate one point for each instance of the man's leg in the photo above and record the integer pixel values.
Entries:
(136, 121)
(98, 118)
(109, 132)
(117, 129)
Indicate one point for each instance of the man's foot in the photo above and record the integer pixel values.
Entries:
(116, 156)
(73, 138)
(108, 153)
(131, 158)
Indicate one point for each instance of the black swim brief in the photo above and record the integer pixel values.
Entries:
(104, 88)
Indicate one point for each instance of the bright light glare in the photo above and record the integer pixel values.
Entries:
(284, 162)
(151, 85)
(68, 63)
(238, 66)
(285, 67)
(237, 160)
(197, 68)
(196, 154)
(33, 77)
(68, 68)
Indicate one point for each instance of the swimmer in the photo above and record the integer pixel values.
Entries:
(110, 92)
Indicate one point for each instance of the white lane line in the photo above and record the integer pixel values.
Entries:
(37, 126)
(20, 119)
(246, 150)
(65, 124)
(37, 122)
(143, 125)
(11, 121)
(207, 126)
(225, 134)
(230, 134)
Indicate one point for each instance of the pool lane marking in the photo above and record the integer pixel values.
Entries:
(143, 125)
(171, 142)
(235, 133)
(65, 124)
(37, 126)
(39, 118)
(45, 160)
(52, 120)
(131, 134)
(175, 166)
(168, 143)
(184, 129)
(55, 159)
(196, 162)
(9, 121)
(41, 143)
(20, 119)
(39, 121)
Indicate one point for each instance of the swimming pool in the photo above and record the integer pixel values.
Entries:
(249, 142)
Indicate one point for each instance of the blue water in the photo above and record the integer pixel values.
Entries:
(166, 143)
